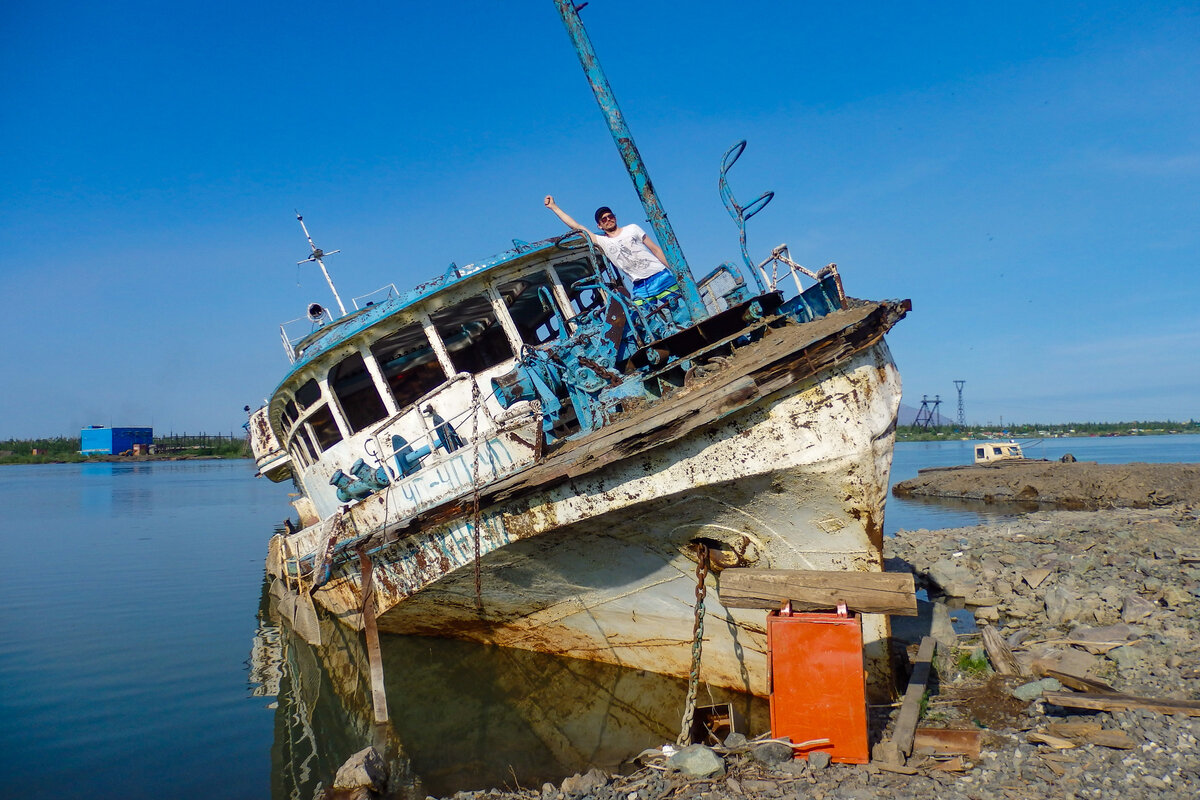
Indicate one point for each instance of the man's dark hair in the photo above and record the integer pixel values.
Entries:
(601, 211)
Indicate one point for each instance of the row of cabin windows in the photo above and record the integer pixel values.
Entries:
(474, 340)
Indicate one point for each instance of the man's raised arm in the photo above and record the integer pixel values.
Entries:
(567, 219)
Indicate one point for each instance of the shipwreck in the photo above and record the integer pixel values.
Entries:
(516, 453)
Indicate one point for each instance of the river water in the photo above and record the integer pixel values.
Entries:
(139, 656)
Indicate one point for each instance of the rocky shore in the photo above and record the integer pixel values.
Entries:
(1070, 484)
(1102, 602)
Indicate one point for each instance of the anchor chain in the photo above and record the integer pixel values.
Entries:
(475, 403)
(689, 706)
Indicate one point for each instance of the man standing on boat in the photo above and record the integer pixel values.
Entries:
(634, 253)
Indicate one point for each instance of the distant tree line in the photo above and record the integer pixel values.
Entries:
(1029, 430)
(65, 449)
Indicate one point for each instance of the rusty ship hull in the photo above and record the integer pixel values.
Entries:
(781, 461)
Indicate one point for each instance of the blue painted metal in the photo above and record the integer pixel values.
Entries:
(348, 488)
(98, 440)
(444, 435)
(814, 302)
(633, 159)
(407, 459)
(375, 477)
(741, 213)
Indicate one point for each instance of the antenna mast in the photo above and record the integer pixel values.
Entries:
(962, 415)
(318, 256)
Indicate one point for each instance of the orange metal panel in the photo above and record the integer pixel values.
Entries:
(817, 683)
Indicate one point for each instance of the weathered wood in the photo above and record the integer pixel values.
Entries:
(999, 652)
(811, 590)
(910, 708)
(948, 741)
(1079, 683)
(374, 655)
(1122, 702)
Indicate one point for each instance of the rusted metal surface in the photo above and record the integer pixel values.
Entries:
(271, 459)
(546, 587)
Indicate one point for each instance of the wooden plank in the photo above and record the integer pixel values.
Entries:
(374, 655)
(910, 708)
(1122, 702)
(1080, 683)
(999, 652)
(948, 741)
(813, 590)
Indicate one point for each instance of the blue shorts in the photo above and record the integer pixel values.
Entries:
(658, 286)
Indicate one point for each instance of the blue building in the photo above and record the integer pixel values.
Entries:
(98, 440)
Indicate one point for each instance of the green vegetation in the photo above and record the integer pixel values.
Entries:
(64, 450)
(972, 662)
(910, 433)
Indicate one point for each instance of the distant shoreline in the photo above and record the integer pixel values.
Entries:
(28, 460)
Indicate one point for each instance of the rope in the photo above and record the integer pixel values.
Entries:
(689, 706)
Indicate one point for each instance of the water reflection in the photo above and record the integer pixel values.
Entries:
(462, 715)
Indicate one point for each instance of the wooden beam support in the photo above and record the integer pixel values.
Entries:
(815, 590)
(374, 655)
(910, 708)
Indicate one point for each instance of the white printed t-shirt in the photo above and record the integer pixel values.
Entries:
(630, 254)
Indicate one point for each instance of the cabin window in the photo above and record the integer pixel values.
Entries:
(995, 451)
(324, 428)
(472, 335)
(304, 445)
(525, 299)
(409, 365)
(308, 395)
(290, 414)
(300, 453)
(979, 451)
(573, 272)
(356, 393)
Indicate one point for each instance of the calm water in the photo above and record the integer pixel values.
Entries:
(139, 656)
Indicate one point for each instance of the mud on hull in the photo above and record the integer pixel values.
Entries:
(602, 567)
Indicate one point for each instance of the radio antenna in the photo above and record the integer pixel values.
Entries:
(318, 255)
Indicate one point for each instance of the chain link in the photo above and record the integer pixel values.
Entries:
(689, 706)
(475, 403)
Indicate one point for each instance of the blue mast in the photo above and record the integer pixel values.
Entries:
(633, 159)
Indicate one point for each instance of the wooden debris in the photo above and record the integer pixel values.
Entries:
(899, 769)
(1099, 641)
(1079, 683)
(910, 708)
(1058, 769)
(1117, 740)
(999, 652)
(1056, 742)
(1122, 702)
(1074, 729)
(947, 741)
(815, 590)
(956, 764)
(1061, 758)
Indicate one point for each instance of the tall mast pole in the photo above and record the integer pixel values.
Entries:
(633, 159)
(318, 255)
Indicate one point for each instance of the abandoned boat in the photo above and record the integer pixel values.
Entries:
(517, 453)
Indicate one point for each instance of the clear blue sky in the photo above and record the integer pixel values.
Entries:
(1028, 173)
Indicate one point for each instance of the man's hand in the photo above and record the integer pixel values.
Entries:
(549, 201)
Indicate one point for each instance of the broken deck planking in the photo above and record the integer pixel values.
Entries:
(812, 590)
(1122, 702)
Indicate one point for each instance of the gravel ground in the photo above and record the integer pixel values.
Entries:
(1110, 596)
